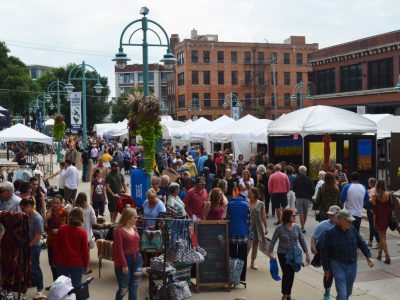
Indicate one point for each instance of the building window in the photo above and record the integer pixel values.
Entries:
(181, 101)
(221, 80)
(380, 73)
(195, 96)
(273, 100)
(234, 57)
(195, 56)
(221, 99)
(247, 57)
(298, 102)
(206, 77)
(286, 58)
(206, 57)
(350, 78)
(181, 79)
(151, 77)
(234, 77)
(207, 99)
(181, 58)
(220, 57)
(287, 100)
(274, 79)
(261, 78)
(164, 77)
(126, 78)
(140, 77)
(299, 59)
(195, 77)
(260, 98)
(247, 78)
(286, 78)
(260, 57)
(325, 81)
(274, 57)
(309, 57)
(299, 77)
(247, 100)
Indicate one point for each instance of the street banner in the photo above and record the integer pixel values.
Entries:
(235, 113)
(39, 118)
(139, 186)
(76, 110)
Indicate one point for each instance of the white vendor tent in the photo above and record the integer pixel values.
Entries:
(119, 129)
(185, 132)
(49, 122)
(386, 124)
(319, 120)
(20, 132)
(169, 127)
(102, 128)
(244, 134)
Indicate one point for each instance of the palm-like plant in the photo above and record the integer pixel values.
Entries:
(59, 126)
(144, 119)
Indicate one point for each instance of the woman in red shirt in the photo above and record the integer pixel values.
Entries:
(71, 250)
(126, 255)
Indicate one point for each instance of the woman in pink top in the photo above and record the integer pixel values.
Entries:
(213, 209)
(126, 255)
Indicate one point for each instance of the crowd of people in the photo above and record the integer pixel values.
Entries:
(201, 186)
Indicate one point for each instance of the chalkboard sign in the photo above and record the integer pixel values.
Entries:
(213, 236)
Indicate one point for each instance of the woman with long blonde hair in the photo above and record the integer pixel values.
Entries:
(126, 255)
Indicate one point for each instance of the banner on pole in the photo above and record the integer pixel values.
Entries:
(236, 113)
(76, 110)
(39, 118)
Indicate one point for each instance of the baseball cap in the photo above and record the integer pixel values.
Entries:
(333, 210)
(345, 214)
(114, 164)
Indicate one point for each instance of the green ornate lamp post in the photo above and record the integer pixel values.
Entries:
(299, 88)
(94, 76)
(56, 87)
(234, 104)
(121, 58)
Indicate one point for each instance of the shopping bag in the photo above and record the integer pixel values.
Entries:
(60, 289)
(151, 241)
(274, 269)
(264, 245)
(236, 269)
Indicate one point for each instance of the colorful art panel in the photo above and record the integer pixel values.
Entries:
(288, 147)
(364, 155)
(316, 158)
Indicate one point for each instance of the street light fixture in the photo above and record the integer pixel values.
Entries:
(299, 87)
(164, 106)
(234, 104)
(94, 76)
(121, 58)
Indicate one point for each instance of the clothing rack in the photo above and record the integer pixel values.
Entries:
(165, 233)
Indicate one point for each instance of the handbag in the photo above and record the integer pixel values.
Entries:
(151, 241)
(263, 246)
(393, 225)
(179, 290)
(236, 265)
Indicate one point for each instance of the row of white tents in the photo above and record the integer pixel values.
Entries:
(247, 132)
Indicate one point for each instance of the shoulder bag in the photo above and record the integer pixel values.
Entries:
(392, 221)
(294, 256)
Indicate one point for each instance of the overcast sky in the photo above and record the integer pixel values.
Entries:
(55, 33)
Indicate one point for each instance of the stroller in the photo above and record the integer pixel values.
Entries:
(57, 291)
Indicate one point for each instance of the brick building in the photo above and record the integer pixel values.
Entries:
(257, 73)
(361, 73)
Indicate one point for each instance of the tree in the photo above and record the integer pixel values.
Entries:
(97, 106)
(16, 87)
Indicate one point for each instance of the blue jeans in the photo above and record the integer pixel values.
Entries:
(36, 273)
(344, 275)
(75, 273)
(130, 281)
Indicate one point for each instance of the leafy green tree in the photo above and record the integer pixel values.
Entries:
(16, 87)
(97, 106)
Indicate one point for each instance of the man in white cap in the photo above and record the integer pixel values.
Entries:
(316, 240)
(339, 254)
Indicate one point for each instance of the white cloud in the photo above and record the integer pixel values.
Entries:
(96, 25)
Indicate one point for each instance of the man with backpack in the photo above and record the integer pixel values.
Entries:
(316, 241)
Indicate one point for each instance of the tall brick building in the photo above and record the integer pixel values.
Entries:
(257, 73)
(361, 73)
